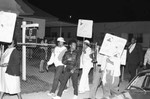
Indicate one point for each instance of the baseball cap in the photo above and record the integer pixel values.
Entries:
(87, 41)
(60, 39)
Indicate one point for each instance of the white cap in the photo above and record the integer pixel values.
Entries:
(60, 39)
(87, 41)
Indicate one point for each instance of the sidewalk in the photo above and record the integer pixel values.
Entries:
(48, 77)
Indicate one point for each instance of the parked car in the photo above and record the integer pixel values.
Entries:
(138, 88)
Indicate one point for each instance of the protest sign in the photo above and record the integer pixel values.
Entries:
(7, 26)
(112, 45)
(84, 28)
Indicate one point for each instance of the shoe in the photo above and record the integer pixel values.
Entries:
(81, 92)
(66, 89)
(75, 97)
(56, 97)
(51, 94)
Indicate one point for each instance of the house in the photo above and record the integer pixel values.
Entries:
(139, 29)
(127, 30)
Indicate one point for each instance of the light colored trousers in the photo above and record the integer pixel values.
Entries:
(84, 80)
(110, 88)
(97, 76)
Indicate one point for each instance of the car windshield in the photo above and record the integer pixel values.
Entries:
(141, 81)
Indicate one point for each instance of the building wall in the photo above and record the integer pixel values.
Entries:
(125, 30)
(66, 32)
(122, 29)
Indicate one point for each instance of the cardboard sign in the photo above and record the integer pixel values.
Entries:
(84, 28)
(113, 45)
(7, 26)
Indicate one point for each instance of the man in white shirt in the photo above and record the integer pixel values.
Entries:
(147, 59)
(56, 58)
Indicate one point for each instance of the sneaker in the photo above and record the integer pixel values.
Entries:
(81, 92)
(75, 97)
(51, 94)
(56, 97)
(66, 89)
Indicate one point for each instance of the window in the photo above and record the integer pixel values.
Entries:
(138, 82)
(54, 34)
(146, 84)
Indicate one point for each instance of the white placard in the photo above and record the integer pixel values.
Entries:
(112, 45)
(84, 28)
(124, 57)
(7, 26)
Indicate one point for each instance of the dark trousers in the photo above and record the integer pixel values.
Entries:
(66, 76)
(147, 66)
(58, 74)
(132, 70)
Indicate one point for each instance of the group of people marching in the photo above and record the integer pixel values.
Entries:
(68, 62)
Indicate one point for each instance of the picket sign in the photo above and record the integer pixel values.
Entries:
(7, 26)
(84, 28)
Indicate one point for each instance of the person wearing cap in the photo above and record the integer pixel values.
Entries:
(71, 60)
(86, 65)
(56, 58)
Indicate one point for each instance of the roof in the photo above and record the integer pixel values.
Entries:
(38, 13)
(16, 6)
(60, 24)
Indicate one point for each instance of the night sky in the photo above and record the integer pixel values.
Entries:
(96, 10)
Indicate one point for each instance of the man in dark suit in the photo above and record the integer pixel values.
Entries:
(134, 57)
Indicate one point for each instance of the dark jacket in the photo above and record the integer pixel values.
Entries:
(136, 56)
(74, 62)
(13, 67)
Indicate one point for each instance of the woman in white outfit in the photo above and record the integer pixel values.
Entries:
(86, 65)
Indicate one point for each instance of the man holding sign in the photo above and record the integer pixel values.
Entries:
(112, 48)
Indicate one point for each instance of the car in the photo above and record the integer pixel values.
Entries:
(138, 87)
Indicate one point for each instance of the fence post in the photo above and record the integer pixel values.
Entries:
(23, 51)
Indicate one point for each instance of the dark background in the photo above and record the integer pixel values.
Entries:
(96, 10)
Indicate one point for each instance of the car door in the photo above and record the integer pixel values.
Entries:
(140, 87)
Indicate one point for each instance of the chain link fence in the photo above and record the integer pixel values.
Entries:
(35, 53)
